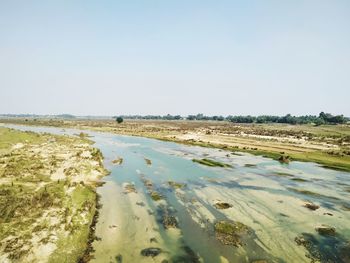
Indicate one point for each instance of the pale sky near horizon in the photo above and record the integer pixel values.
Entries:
(178, 57)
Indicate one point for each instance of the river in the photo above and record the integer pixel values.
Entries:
(263, 194)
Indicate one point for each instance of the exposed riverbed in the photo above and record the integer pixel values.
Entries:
(158, 198)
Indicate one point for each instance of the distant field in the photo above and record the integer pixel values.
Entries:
(328, 145)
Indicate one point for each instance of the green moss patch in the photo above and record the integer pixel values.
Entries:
(212, 163)
(156, 196)
(176, 185)
(231, 233)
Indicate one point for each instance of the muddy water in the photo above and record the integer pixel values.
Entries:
(266, 196)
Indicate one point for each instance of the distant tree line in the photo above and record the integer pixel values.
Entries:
(59, 116)
(322, 118)
(151, 117)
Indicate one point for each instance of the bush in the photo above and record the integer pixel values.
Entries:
(119, 119)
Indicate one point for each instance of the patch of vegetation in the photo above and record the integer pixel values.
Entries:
(151, 252)
(97, 155)
(148, 161)
(310, 193)
(345, 207)
(212, 163)
(147, 183)
(325, 248)
(325, 230)
(176, 185)
(82, 208)
(341, 163)
(284, 159)
(231, 233)
(34, 206)
(129, 188)
(10, 137)
(299, 179)
(311, 206)
(118, 161)
(322, 118)
(169, 221)
(119, 119)
(222, 205)
(83, 135)
(166, 217)
(156, 196)
(283, 174)
(119, 258)
(249, 165)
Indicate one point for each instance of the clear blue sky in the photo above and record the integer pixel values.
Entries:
(178, 57)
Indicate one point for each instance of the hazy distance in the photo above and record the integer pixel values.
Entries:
(177, 57)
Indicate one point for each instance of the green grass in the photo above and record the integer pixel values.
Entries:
(72, 247)
(212, 163)
(23, 203)
(341, 163)
(10, 137)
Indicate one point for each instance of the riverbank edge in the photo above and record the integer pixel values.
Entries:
(268, 154)
(87, 252)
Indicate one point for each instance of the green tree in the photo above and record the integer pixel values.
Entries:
(119, 119)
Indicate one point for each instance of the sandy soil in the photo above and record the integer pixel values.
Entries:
(57, 166)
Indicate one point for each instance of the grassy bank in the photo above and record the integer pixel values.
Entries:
(341, 163)
(47, 196)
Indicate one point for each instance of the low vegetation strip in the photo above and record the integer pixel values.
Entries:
(47, 196)
(212, 163)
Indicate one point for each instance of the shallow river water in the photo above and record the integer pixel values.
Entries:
(265, 195)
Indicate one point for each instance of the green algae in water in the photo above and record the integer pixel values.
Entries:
(148, 161)
(325, 248)
(230, 233)
(325, 230)
(156, 196)
(311, 206)
(299, 180)
(176, 185)
(345, 207)
(250, 165)
(310, 193)
(222, 205)
(283, 174)
(129, 188)
(212, 163)
(118, 161)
